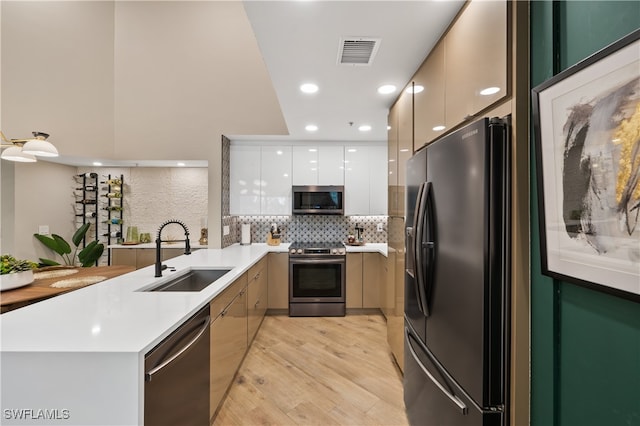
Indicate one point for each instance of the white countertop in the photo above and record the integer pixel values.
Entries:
(113, 316)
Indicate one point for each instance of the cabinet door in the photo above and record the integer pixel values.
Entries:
(278, 282)
(330, 165)
(245, 184)
(371, 275)
(377, 180)
(356, 180)
(354, 280)
(228, 346)
(257, 298)
(305, 165)
(475, 60)
(428, 114)
(392, 158)
(405, 143)
(275, 179)
(125, 256)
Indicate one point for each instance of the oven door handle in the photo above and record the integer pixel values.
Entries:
(314, 261)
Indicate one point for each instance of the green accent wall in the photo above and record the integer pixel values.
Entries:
(585, 344)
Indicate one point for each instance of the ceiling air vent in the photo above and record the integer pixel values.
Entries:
(357, 50)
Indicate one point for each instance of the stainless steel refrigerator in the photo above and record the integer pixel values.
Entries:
(457, 278)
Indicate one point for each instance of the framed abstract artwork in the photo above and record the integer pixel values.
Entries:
(587, 140)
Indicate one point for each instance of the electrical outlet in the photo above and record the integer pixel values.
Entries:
(225, 230)
(43, 229)
(380, 227)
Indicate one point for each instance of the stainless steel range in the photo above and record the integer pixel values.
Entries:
(317, 279)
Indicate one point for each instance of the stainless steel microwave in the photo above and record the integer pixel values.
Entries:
(318, 199)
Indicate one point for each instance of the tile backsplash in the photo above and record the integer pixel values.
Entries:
(314, 228)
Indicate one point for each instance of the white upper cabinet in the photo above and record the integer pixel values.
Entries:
(377, 180)
(305, 165)
(365, 180)
(318, 165)
(276, 180)
(245, 184)
(331, 165)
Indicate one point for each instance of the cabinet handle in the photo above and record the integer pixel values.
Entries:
(223, 313)
(257, 303)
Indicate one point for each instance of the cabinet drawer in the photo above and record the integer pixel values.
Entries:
(257, 269)
(222, 300)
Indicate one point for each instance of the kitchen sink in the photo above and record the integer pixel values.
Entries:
(194, 280)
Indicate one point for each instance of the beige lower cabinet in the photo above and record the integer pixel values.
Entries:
(354, 281)
(257, 292)
(363, 280)
(278, 282)
(228, 339)
(142, 257)
(372, 268)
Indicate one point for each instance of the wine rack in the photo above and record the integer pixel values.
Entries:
(87, 201)
(114, 208)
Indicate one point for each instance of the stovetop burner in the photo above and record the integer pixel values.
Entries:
(317, 248)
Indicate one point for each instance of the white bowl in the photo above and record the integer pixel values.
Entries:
(15, 280)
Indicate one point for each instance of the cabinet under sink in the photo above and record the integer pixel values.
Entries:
(193, 280)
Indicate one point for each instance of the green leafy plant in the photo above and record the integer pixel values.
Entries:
(10, 265)
(86, 257)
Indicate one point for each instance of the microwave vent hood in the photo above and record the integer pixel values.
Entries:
(318, 199)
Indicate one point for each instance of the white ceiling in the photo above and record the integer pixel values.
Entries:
(299, 41)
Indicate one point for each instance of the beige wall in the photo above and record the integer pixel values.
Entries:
(134, 80)
(41, 197)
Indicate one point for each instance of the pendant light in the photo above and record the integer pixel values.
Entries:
(25, 150)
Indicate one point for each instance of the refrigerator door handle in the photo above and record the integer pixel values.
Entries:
(461, 405)
(417, 247)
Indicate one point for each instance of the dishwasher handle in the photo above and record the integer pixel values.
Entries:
(148, 376)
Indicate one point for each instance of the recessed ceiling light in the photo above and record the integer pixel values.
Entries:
(404, 150)
(386, 89)
(364, 128)
(97, 163)
(416, 88)
(352, 150)
(309, 88)
(438, 128)
(180, 164)
(489, 91)
(388, 127)
(311, 127)
(312, 150)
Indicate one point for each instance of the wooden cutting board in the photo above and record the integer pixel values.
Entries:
(41, 289)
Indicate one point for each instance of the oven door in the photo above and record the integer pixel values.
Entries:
(317, 279)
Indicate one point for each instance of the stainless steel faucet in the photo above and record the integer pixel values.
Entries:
(159, 241)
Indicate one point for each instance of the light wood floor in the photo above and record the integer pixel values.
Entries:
(317, 371)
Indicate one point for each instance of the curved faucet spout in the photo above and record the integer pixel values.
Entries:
(159, 241)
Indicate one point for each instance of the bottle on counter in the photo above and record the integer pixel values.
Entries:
(114, 234)
(87, 214)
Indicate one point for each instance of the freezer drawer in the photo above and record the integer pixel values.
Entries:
(433, 398)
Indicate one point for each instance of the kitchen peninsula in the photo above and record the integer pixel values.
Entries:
(82, 355)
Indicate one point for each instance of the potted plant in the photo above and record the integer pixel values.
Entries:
(15, 273)
(86, 257)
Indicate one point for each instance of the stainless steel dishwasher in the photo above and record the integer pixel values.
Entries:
(176, 390)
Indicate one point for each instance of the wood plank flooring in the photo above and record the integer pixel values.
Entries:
(317, 371)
